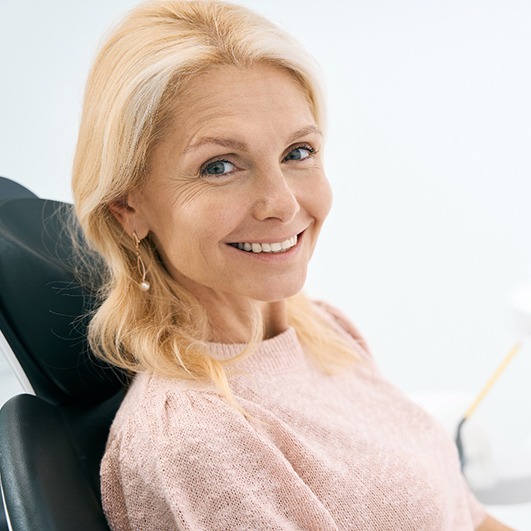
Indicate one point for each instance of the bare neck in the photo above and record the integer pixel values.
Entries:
(230, 323)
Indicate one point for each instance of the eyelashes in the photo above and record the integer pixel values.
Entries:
(222, 167)
(305, 147)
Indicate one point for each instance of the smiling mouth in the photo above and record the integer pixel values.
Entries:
(274, 247)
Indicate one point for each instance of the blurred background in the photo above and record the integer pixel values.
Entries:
(429, 156)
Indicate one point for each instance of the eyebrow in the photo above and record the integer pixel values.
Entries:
(240, 146)
(303, 132)
(224, 142)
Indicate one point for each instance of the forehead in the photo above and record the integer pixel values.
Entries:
(225, 91)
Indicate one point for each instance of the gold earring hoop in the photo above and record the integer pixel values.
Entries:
(144, 284)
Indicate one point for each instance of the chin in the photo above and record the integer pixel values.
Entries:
(278, 293)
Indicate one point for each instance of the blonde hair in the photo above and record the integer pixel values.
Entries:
(131, 92)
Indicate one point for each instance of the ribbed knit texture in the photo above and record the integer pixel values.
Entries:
(341, 452)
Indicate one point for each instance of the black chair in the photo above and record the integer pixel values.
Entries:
(52, 440)
(11, 190)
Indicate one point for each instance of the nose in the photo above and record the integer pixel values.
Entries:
(274, 196)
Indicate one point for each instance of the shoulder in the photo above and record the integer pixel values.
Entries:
(339, 321)
(162, 418)
(156, 406)
(168, 438)
(167, 427)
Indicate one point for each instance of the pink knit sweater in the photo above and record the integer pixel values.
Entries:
(340, 452)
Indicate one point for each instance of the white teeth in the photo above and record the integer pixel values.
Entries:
(275, 247)
(286, 244)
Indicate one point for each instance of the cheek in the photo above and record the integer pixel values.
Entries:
(214, 216)
(189, 194)
(320, 200)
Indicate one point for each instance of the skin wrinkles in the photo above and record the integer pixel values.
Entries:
(234, 144)
(260, 115)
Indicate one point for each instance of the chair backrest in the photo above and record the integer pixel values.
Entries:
(44, 309)
(51, 444)
(13, 190)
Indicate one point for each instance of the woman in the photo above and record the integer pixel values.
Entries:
(199, 179)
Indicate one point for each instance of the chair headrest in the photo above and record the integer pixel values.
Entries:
(12, 190)
(44, 309)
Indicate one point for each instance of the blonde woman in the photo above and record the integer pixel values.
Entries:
(199, 179)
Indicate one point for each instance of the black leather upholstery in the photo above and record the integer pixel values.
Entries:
(51, 444)
(49, 463)
(11, 190)
(43, 308)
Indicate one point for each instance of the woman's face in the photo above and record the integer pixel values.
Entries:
(236, 194)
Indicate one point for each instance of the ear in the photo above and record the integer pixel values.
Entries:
(129, 215)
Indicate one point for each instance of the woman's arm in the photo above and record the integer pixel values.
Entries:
(491, 524)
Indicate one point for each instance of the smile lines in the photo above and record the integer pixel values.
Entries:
(277, 247)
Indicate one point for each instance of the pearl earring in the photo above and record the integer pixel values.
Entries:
(144, 284)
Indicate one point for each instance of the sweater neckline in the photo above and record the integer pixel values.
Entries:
(279, 353)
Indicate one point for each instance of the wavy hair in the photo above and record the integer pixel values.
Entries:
(132, 91)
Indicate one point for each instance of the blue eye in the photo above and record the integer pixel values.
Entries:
(218, 167)
(300, 153)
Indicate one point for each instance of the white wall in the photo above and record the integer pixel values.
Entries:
(429, 154)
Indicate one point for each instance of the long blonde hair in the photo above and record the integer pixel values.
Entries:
(131, 92)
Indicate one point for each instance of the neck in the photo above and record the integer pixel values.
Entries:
(231, 323)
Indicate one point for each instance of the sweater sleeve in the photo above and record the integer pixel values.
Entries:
(478, 512)
(198, 464)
